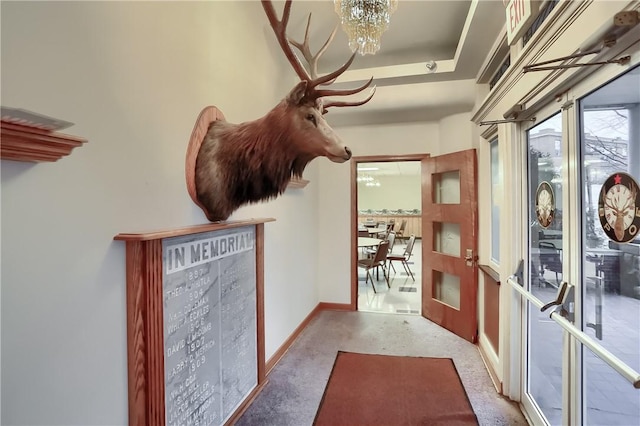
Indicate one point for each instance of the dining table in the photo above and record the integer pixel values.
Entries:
(368, 242)
(373, 231)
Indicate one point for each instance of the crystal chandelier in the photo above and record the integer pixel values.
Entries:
(364, 21)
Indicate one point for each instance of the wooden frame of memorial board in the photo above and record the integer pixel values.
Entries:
(195, 322)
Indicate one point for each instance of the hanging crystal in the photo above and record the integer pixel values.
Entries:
(364, 21)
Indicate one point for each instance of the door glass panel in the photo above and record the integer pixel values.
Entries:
(544, 366)
(610, 150)
(446, 288)
(446, 238)
(446, 187)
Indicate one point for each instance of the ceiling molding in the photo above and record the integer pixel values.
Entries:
(395, 71)
(466, 29)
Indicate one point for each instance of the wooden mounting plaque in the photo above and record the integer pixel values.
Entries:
(207, 116)
(147, 299)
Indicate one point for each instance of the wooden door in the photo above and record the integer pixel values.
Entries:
(449, 242)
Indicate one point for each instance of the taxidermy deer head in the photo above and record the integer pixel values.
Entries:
(254, 161)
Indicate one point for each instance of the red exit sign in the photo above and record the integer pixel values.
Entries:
(519, 16)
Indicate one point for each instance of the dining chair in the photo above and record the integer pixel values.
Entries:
(391, 237)
(379, 260)
(404, 258)
(385, 233)
(550, 260)
(400, 231)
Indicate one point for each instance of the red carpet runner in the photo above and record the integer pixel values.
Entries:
(394, 390)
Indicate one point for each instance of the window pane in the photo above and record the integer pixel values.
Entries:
(446, 288)
(610, 147)
(446, 187)
(545, 265)
(496, 183)
(446, 238)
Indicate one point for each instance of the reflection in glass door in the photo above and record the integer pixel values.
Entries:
(545, 338)
(610, 151)
(596, 249)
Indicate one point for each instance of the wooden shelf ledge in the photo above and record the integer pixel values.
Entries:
(24, 143)
(297, 183)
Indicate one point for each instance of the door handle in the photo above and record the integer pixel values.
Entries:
(560, 297)
(469, 258)
(564, 300)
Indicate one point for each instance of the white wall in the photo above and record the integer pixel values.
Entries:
(394, 192)
(457, 133)
(133, 76)
(335, 187)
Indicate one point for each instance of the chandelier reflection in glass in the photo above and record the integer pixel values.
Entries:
(364, 21)
(367, 180)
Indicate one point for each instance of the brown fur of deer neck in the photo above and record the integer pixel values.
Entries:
(254, 161)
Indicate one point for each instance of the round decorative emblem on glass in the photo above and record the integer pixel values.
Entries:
(545, 204)
(619, 207)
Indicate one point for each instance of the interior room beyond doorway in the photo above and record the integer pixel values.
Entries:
(389, 202)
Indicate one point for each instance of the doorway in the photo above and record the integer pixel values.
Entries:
(448, 227)
(388, 205)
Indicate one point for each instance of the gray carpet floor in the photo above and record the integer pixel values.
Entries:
(295, 386)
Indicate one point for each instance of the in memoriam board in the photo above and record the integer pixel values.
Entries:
(210, 334)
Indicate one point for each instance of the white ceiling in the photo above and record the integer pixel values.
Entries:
(390, 168)
(457, 34)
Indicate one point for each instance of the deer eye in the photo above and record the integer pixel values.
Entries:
(312, 118)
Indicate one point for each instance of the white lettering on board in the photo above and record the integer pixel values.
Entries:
(179, 257)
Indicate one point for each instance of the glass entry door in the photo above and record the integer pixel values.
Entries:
(609, 132)
(544, 352)
(583, 213)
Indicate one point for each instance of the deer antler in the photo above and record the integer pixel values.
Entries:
(622, 210)
(280, 29)
(611, 206)
(312, 94)
(304, 48)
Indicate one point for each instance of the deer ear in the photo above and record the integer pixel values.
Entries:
(297, 93)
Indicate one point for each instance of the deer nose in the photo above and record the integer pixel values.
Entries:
(348, 151)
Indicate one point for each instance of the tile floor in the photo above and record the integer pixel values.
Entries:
(405, 294)
(609, 399)
(295, 386)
